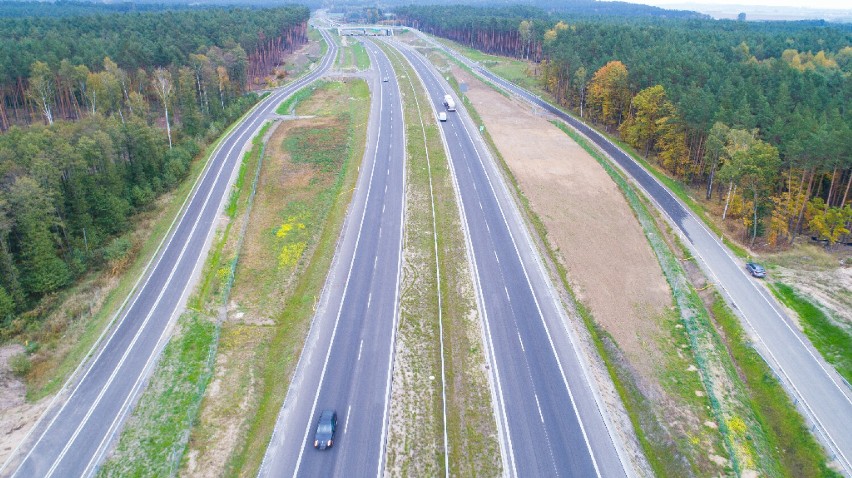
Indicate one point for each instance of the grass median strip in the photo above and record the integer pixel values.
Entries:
(415, 442)
(362, 61)
(713, 395)
(304, 190)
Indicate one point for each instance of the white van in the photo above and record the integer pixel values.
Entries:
(442, 116)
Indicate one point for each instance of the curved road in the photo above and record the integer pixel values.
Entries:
(347, 360)
(78, 428)
(815, 386)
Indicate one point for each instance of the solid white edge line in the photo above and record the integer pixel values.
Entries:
(324, 298)
(392, 345)
(343, 294)
(465, 120)
(812, 415)
(572, 339)
(126, 407)
(498, 403)
(120, 314)
(272, 102)
(401, 58)
(141, 330)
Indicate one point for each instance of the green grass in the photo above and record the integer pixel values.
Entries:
(59, 373)
(790, 449)
(789, 438)
(154, 439)
(297, 307)
(780, 423)
(288, 106)
(251, 156)
(680, 190)
(471, 427)
(319, 146)
(152, 446)
(832, 341)
(362, 61)
(696, 331)
(663, 455)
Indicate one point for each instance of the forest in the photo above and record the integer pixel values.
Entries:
(93, 130)
(757, 115)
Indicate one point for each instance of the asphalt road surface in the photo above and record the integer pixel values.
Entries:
(817, 389)
(549, 420)
(347, 359)
(79, 427)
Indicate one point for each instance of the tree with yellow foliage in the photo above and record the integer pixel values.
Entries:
(647, 107)
(609, 93)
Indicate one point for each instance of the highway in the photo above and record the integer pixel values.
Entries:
(347, 360)
(549, 420)
(81, 424)
(818, 390)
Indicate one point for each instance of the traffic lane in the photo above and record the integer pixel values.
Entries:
(791, 351)
(354, 360)
(523, 418)
(370, 306)
(518, 327)
(125, 379)
(296, 418)
(817, 383)
(546, 426)
(74, 411)
(583, 397)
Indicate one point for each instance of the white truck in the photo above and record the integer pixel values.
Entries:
(449, 103)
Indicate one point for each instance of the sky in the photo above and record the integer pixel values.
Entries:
(811, 4)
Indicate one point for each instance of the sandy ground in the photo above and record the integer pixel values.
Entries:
(824, 276)
(611, 267)
(17, 416)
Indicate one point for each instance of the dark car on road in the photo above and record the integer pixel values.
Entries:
(755, 269)
(324, 436)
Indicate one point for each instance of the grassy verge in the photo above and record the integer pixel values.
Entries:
(362, 61)
(288, 252)
(415, 443)
(54, 372)
(289, 105)
(773, 432)
(832, 341)
(154, 438)
(797, 449)
(713, 395)
(738, 416)
(784, 448)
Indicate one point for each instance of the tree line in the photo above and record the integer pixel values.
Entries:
(105, 142)
(247, 42)
(755, 113)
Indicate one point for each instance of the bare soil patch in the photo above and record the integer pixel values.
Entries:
(611, 267)
(18, 415)
(824, 276)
